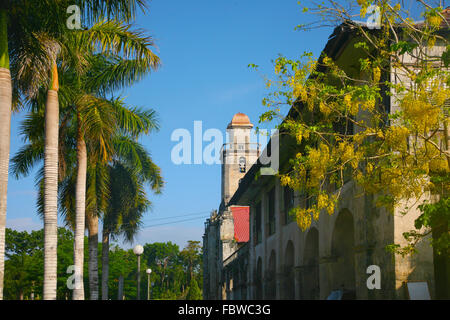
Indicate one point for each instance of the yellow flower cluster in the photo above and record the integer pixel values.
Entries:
(431, 42)
(324, 201)
(359, 137)
(277, 68)
(396, 137)
(318, 161)
(434, 20)
(303, 218)
(363, 12)
(327, 61)
(422, 115)
(376, 74)
(301, 133)
(352, 106)
(326, 110)
(438, 165)
(368, 105)
(439, 95)
(299, 91)
(285, 180)
(345, 151)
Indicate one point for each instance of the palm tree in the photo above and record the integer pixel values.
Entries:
(108, 73)
(5, 123)
(97, 120)
(127, 202)
(17, 42)
(143, 62)
(114, 114)
(42, 22)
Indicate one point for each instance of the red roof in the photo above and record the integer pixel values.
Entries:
(241, 223)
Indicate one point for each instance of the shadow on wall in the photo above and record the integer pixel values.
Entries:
(343, 249)
(311, 288)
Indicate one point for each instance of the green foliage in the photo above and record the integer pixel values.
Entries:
(170, 277)
(194, 291)
(24, 267)
(446, 56)
(172, 269)
(436, 216)
(344, 128)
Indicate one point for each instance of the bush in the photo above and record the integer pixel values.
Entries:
(194, 291)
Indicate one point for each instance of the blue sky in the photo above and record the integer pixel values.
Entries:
(205, 47)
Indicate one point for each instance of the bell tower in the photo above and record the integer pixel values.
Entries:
(238, 155)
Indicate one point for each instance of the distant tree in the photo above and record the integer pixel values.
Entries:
(191, 256)
(25, 264)
(194, 292)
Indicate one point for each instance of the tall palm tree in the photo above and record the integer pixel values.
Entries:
(131, 121)
(47, 21)
(131, 170)
(17, 42)
(126, 9)
(5, 123)
(105, 74)
(127, 204)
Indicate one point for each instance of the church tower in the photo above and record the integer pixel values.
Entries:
(238, 155)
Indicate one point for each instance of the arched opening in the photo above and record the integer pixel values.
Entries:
(288, 273)
(343, 250)
(258, 280)
(311, 288)
(271, 291)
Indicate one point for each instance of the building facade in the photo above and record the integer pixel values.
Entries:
(335, 255)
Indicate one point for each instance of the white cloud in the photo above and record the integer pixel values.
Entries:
(23, 224)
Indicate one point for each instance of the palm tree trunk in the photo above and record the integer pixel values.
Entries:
(51, 189)
(92, 223)
(105, 263)
(80, 213)
(5, 132)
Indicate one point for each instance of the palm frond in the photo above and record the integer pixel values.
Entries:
(26, 158)
(116, 38)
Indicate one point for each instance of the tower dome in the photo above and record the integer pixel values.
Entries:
(240, 120)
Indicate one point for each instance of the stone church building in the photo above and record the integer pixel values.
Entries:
(254, 250)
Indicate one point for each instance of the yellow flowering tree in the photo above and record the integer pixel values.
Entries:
(345, 129)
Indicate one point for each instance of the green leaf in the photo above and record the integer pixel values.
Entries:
(446, 57)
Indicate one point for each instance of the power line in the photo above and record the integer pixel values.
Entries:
(174, 222)
(179, 216)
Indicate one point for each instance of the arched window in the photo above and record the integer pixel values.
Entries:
(242, 165)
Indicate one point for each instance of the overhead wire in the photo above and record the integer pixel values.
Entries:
(203, 216)
(173, 222)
